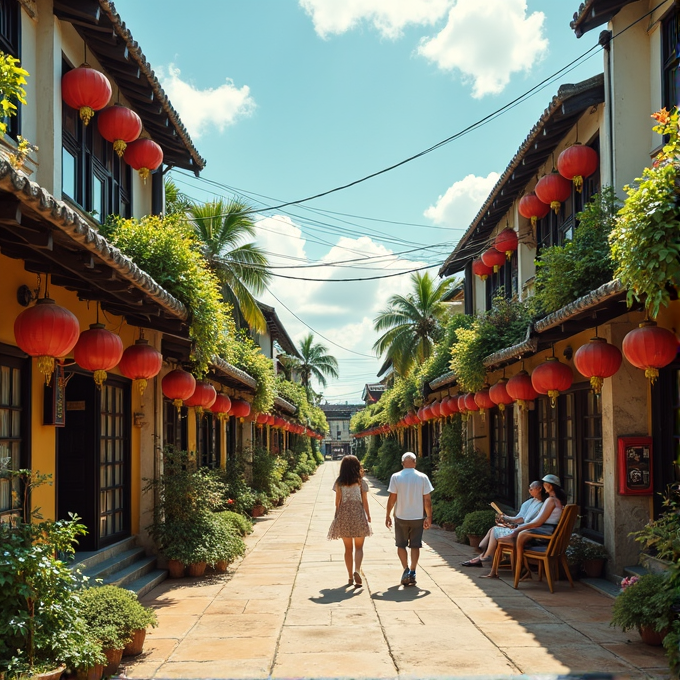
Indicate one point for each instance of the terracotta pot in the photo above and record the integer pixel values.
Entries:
(449, 526)
(196, 569)
(257, 511)
(651, 637)
(220, 566)
(92, 673)
(113, 657)
(47, 675)
(136, 645)
(175, 569)
(474, 540)
(593, 568)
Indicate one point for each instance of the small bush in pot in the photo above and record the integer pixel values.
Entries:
(475, 525)
(645, 605)
(586, 555)
(242, 524)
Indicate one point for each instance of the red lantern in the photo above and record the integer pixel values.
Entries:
(453, 405)
(499, 394)
(203, 398)
(461, 404)
(411, 418)
(279, 422)
(492, 258)
(650, 348)
(141, 362)
(553, 190)
(597, 360)
(143, 155)
(119, 125)
(177, 386)
(576, 163)
(270, 419)
(86, 89)
(532, 208)
(551, 378)
(436, 409)
(444, 407)
(421, 414)
(98, 350)
(221, 406)
(506, 242)
(470, 403)
(46, 331)
(427, 413)
(483, 400)
(240, 408)
(520, 388)
(480, 269)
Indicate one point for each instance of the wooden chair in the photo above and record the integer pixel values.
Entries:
(551, 554)
(503, 550)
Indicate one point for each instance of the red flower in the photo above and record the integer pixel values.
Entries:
(230, 501)
(661, 116)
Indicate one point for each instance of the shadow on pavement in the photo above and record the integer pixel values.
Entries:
(401, 594)
(335, 595)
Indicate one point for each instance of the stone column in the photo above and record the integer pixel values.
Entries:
(521, 450)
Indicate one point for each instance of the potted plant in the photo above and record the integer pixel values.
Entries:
(87, 660)
(261, 506)
(40, 624)
(226, 543)
(586, 555)
(475, 525)
(645, 604)
(443, 513)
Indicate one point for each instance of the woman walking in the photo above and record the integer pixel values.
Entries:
(352, 516)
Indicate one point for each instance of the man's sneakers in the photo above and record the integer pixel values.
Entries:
(408, 578)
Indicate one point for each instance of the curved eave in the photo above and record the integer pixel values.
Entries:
(233, 373)
(283, 405)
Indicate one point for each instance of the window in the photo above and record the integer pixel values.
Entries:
(592, 505)
(504, 281)
(671, 59)
(11, 433)
(10, 43)
(112, 471)
(93, 176)
(174, 425)
(208, 440)
(502, 454)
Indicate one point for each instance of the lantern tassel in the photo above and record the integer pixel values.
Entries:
(578, 182)
(501, 407)
(652, 374)
(141, 386)
(534, 220)
(86, 114)
(555, 205)
(177, 403)
(99, 378)
(46, 367)
(496, 268)
(553, 394)
(144, 174)
(508, 254)
(596, 383)
(119, 147)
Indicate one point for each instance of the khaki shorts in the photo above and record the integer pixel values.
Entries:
(408, 532)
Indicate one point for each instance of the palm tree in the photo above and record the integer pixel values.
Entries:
(175, 200)
(412, 323)
(289, 365)
(315, 363)
(242, 268)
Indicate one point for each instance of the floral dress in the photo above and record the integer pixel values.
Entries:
(350, 518)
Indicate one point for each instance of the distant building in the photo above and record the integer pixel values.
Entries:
(372, 393)
(338, 441)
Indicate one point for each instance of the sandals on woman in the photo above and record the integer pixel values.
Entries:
(475, 562)
(357, 579)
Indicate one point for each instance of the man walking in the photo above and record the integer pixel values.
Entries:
(410, 498)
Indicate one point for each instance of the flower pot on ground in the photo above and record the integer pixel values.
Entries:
(175, 569)
(113, 658)
(136, 645)
(196, 569)
(220, 567)
(652, 637)
(474, 540)
(476, 524)
(644, 603)
(257, 511)
(90, 673)
(654, 564)
(584, 554)
(594, 567)
(47, 675)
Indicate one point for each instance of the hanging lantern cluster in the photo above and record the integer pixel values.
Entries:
(480, 269)
(597, 360)
(506, 242)
(48, 332)
(552, 377)
(87, 90)
(577, 163)
(650, 348)
(553, 190)
(531, 207)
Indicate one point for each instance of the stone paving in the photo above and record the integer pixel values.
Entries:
(285, 611)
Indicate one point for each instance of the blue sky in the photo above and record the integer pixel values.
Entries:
(289, 98)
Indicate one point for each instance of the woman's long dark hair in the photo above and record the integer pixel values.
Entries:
(560, 493)
(350, 471)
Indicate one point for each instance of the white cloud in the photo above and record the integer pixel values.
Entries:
(488, 42)
(200, 109)
(461, 201)
(389, 17)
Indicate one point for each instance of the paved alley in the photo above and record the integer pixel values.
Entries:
(285, 611)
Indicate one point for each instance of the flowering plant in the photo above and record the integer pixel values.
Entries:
(629, 581)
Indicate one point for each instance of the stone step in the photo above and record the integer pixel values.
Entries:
(88, 559)
(147, 582)
(635, 570)
(115, 563)
(131, 573)
(602, 585)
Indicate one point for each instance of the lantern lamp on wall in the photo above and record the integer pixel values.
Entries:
(141, 362)
(470, 403)
(484, 401)
(577, 163)
(650, 348)
(552, 377)
(520, 388)
(480, 269)
(143, 155)
(498, 394)
(119, 125)
(506, 242)
(597, 360)
(221, 406)
(178, 385)
(553, 190)
(85, 89)
(98, 350)
(241, 409)
(531, 207)
(203, 398)
(48, 332)
(492, 258)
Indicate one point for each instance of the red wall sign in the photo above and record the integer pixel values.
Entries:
(635, 466)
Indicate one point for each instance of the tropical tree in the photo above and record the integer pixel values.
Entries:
(315, 363)
(175, 200)
(225, 227)
(289, 365)
(412, 323)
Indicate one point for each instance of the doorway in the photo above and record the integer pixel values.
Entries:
(93, 459)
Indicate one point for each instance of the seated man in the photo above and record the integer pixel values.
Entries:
(530, 509)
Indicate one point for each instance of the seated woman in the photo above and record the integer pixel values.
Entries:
(530, 509)
(544, 524)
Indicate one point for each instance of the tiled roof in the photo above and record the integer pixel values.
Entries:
(528, 346)
(232, 372)
(443, 380)
(594, 13)
(284, 405)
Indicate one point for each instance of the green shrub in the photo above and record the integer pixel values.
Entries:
(370, 460)
(645, 603)
(443, 512)
(389, 459)
(241, 524)
(236, 488)
(566, 272)
(292, 481)
(227, 542)
(476, 523)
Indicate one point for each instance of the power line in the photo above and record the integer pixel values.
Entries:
(365, 278)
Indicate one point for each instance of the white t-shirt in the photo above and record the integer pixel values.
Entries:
(410, 487)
